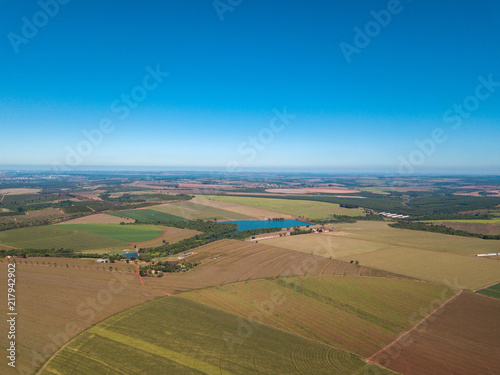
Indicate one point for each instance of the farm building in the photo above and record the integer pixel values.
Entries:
(102, 260)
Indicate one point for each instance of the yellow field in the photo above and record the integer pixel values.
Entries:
(255, 212)
(98, 219)
(299, 208)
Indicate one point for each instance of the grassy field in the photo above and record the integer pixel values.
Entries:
(192, 211)
(467, 272)
(176, 336)
(380, 232)
(56, 303)
(78, 236)
(242, 260)
(354, 313)
(127, 233)
(254, 212)
(307, 209)
(362, 237)
(491, 291)
(461, 339)
(147, 216)
(56, 237)
(98, 219)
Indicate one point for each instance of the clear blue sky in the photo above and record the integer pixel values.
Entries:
(229, 71)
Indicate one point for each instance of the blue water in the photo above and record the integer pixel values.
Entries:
(129, 255)
(258, 224)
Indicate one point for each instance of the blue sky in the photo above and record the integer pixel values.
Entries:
(231, 70)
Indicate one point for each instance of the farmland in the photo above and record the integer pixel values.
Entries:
(491, 291)
(356, 313)
(98, 219)
(55, 303)
(461, 339)
(240, 261)
(78, 236)
(306, 209)
(254, 212)
(191, 211)
(146, 215)
(180, 336)
(464, 272)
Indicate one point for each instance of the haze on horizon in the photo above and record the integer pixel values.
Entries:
(404, 86)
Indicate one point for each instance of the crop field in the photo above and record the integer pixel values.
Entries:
(306, 209)
(56, 237)
(380, 232)
(461, 339)
(482, 228)
(78, 236)
(126, 233)
(146, 215)
(491, 291)
(54, 304)
(478, 221)
(355, 313)
(98, 219)
(170, 235)
(192, 211)
(254, 212)
(443, 268)
(177, 336)
(243, 260)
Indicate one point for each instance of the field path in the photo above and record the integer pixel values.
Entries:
(3, 196)
(147, 287)
(370, 359)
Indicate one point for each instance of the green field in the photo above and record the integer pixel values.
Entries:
(78, 236)
(176, 336)
(307, 209)
(192, 211)
(492, 291)
(127, 233)
(147, 216)
(353, 313)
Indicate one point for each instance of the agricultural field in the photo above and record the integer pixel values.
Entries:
(54, 304)
(491, 291)
(376, 231)
(170, 235)
(481, 228)
(354, 313)
(193, 211)
(228, 261)
(78, 236)
(178, 336)
(98, 219)
(444, 268)
(307, 209)
(254, 212)
(462, 339)
(146, 215)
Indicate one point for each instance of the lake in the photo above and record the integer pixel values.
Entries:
(259, 224)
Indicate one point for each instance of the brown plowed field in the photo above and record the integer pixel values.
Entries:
(243, 260)
(463, 338)
(55, 304)
(257, 213)
(326, 190)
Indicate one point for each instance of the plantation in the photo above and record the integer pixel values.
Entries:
(177, 336)
(307, 209)
(349, 312)
(147, 215)
(491, 291)
(78, 236)
(191, 210)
